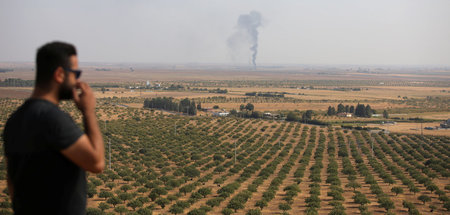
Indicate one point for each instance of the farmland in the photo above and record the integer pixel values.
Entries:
(176, 164)
(166, 162)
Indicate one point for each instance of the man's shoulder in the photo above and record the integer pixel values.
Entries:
(33, 105)
(43, 108)
(37, 111)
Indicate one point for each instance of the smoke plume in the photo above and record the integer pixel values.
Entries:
(246, 35)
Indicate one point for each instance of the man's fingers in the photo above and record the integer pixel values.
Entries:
(76, 97)
(78, 85)
(84, 87)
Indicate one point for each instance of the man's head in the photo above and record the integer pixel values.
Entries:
(55, 65)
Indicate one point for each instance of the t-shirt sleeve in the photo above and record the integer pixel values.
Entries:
(63, 131)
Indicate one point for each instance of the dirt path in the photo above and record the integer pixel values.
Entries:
(290, 179)
(299, 204)
(266, 182)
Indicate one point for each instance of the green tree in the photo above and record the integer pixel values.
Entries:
(414, 189)
(353, 184)
(110, 185)
(253, 212)
(187, 188)
(284, 206)
(397, 190)
(408, 205)
(91, 190)
(386, 203)
(313, 201)
(125, 196)
(337, 211)
(368, 111)
(447, 205)
(385, 114)
(340, 108)
(261, 204)
(175, 209)
(114, 201)
(105, 194)
(125, 187)
(227, 211)
(424, 198)
(432, 187)
(331, 111)
(250, 107)
(307, 116)
(135, 204)
(292, 116)
(120, 209)
(256, 114)
(162, 202)
(360, 110)
(360, 198)
(236, 204)
(89, 211)
(242, 107)
(144, 211)
(311, 211)
(352, 109)
(204, 191)
(191, 172)
(197, 212)
(103, 206)
(156, 192)
(214, 201)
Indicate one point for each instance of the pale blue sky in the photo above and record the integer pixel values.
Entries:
(414, 32)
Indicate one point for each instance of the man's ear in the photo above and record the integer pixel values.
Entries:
(58, 75)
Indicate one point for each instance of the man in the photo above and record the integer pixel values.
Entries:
(46, 152)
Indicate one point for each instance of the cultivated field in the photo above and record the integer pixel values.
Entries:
(164, 162)
(279, 167)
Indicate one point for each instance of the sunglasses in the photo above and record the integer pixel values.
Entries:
(77, 72)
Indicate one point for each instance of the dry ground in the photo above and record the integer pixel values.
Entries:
(413, 128)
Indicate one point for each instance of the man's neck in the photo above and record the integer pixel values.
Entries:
(46, 95)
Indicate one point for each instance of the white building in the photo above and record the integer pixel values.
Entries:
(221, 113)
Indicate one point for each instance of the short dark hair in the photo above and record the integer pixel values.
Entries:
(51, 56)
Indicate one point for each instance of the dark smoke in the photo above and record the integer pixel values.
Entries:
(246, 33)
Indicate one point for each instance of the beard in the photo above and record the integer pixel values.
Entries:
(66, 91)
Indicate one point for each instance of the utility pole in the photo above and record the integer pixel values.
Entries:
(372, 148)
(234, 152)
(109, 153)
(421, 127)
(109, 147)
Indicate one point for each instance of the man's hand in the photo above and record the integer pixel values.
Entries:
(86, 100)
(88, 152)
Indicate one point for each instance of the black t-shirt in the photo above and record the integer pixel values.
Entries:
(44, 180)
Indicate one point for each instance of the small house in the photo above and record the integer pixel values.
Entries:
(221, 113)
(446, 124)
(344, 114)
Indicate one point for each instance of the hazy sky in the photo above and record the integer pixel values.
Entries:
(412, 32)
